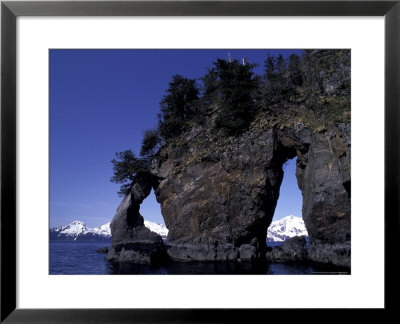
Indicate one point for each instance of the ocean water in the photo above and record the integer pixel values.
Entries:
(81, 258)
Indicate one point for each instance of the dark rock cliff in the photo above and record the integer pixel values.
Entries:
(323, 174)
(218, 196)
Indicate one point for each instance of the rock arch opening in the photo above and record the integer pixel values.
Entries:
(287, 237)
(150, 209)
(287, 219)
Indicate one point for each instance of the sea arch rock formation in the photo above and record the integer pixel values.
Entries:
(218, 195)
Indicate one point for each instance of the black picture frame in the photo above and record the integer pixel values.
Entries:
(10, 10)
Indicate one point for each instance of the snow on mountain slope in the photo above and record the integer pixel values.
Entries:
(77, 231)
(104, 230)
(285, 228)
(160, 229)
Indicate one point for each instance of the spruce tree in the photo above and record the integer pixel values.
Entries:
(127, 167)
(149, 142)
(236, 84)
(175, 106)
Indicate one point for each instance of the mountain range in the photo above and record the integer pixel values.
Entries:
(278, 231)
(78, 231)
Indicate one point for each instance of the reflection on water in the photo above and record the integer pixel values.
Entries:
(82, 258)
(223, 268)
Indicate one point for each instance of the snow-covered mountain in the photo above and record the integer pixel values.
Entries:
(285, 228)
(78, 231)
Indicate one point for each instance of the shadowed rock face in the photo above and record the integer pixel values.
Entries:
(323, 174)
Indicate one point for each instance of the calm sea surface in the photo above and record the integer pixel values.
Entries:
(81, 258)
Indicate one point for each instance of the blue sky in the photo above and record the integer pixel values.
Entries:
(101, 101)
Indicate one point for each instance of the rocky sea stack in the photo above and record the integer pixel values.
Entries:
(218, 191)
(293, 249)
